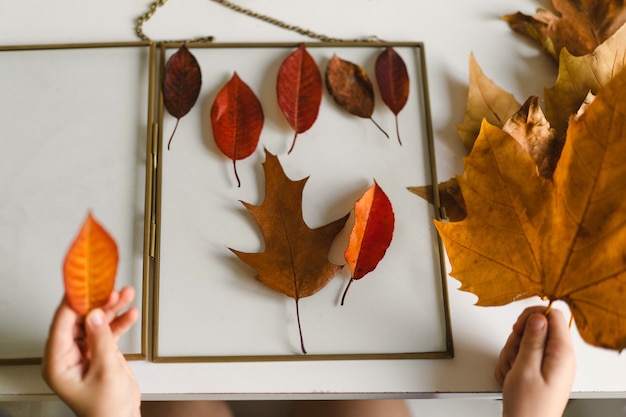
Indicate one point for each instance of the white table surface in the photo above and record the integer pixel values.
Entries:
(450, 31)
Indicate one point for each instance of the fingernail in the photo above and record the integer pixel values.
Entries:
(536, 322)
(96, 318)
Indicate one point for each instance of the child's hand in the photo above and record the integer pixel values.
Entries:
(83, 364)
(537, 365)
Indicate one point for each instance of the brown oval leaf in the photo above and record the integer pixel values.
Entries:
(371, 233)
(182, 81)
(237, 120)
(299, 90)
(89, 268)
(393, 82)
(351, 88)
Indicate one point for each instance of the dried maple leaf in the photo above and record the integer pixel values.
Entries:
(393, 82)
(299, 91)
(484, 100)
(237, 121)
(182, 81)
(580, 25)
(450, 198)
(89, 268)
(351, 88)
(579, 75)
(562, 239)
(530, 129)
(371, 234)
(295, 260)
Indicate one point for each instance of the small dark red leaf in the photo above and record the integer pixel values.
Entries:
(299, 90)
(182, 81)
(351, 88)
(237, 120)
(393, 81)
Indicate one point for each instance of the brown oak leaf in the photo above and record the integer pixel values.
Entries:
(560, 239)
(295, 261)
(578, 25)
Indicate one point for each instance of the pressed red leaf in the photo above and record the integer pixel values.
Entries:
(393, 81)
(182, 81)
(371, 234)
(299, 90)
(90, 267)
(237, 120)
(351, 88)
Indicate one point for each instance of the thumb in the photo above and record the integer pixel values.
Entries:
(99, 338)
(532, 345)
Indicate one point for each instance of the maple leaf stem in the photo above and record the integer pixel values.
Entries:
(169, 142)
(379, 128)
(343, 297)
(236, 174)
(293, 143)
(300, 326)
(398, 131)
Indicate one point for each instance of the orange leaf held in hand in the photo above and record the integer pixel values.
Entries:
(393, 81)
(351, 88)
(182, 81)
(237, 120)
(295, 261)
(371, 234)
(90, 267)
(560, 239)
(299, 91)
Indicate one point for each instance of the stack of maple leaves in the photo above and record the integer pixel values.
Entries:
(540, 208)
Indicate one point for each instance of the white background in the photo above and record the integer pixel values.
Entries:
(450, 30)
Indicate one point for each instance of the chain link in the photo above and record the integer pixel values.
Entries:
(158, 3)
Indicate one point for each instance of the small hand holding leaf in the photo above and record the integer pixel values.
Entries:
(371, 234)
(237, 120)
(393, 81)
(182, 81)
(90, 267)
(351, 88)
(295, 260)
(299, 90)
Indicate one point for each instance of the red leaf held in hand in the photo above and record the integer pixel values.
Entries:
(182, 80)
(393, 81)
(299, 90)
(371, 234)
(237, 120)
(351, 88)
(90, 267)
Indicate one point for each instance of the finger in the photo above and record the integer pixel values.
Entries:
(118, 302)
(124, 322)
(520, 324)
(532, 345)
(559, 347)
(102, 346)
(507, 357)
(60, 340)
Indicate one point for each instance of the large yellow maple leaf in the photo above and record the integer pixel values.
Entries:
(560, 239)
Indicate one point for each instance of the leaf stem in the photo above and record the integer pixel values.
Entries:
(379, 128)
(398, 131)
(343, 298)
(172, 137)
(293, 143)
(300, 326)
(236, 174)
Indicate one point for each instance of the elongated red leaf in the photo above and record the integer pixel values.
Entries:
(237, 120)
(351, 88)
(90, 267)
(393, 81)
(182, 81)
(371, 234)
(299, 90)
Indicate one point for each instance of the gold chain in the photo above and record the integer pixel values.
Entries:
(158, 3)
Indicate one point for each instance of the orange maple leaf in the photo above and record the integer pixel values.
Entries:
(560, 239)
